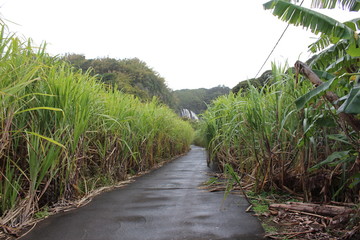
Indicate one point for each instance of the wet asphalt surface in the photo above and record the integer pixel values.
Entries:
(162, 205)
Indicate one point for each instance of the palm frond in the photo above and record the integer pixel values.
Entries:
(309, 19)
(329, 55)
(345, 64)
(323, 42)
(351, 5)
(334, 58)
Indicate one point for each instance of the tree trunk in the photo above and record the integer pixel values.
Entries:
(303, 69)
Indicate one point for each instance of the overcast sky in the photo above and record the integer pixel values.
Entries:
(190, 43)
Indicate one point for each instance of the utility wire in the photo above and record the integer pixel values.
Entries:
(273, 49)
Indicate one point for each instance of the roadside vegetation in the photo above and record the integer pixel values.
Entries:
(64, 133)
(298, 132)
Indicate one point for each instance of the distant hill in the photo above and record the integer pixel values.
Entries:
(196, 99)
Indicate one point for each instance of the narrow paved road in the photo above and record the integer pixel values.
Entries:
(162, 205)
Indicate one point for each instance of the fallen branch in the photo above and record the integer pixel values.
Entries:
(10, 230)
(343, 204)
(249, 208)
(291, 234)
(300, 233)
(311, 214)
(328, 210)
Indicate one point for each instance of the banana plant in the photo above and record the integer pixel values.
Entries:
(335, 67)
(339, 46)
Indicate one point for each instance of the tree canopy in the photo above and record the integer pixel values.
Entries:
(256, 82)
(131, 76)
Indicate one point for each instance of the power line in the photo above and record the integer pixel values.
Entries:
(273, 49)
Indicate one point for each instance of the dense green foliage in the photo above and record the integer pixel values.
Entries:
(128, 75)
(64, 133)
(291, 134)
(197, 100)
(266, 139)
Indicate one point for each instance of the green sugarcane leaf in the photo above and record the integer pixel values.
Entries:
(46, 138)
(339, 137)
(41, 108)
(330, 159)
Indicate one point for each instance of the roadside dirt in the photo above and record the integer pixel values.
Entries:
(284, 223)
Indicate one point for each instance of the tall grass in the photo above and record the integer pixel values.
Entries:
(63, 133)
(262, 135)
